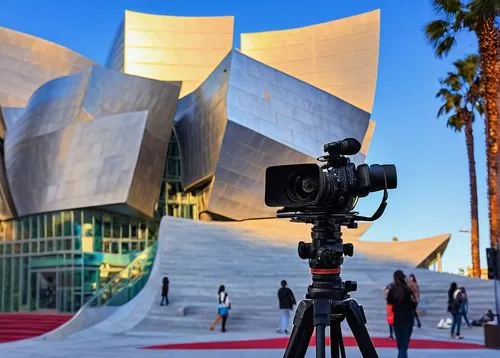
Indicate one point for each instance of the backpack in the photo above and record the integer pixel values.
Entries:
(224, 300)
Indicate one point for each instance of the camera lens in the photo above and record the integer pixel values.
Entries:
(308, 185)
(301, 187)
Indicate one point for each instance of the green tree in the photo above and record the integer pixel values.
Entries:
(479, 17)
(461, 94)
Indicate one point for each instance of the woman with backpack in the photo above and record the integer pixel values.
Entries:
(457, 307)
(401, 299)
(222, 310)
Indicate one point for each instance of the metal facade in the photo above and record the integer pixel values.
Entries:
(340, 56)
(96, 138)
(27, 62)
(171, 48)
(247, 116)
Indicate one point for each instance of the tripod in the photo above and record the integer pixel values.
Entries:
(327, 300)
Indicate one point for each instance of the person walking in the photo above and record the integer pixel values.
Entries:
(465, 307)
(413, 285)
(222, 310)
(451, 291)
(389, 312)
(457, 312)
(286, 302)
(164, 291)
(400, 296)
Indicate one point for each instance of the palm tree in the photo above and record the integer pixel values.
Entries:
(479, 17)
(462, 97)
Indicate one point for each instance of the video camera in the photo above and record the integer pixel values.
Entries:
(306, 191)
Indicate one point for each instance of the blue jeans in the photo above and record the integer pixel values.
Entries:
(164, 299)
(403, 333)
(284, 319)
(457, 321)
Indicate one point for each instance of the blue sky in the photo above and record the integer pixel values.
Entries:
(433, 192)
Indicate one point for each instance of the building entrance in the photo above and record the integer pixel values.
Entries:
(46, 290)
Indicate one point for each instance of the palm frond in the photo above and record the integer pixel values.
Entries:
(444, 46)
(455, 122)
(483, 10)
(436, 31)
(447, 7)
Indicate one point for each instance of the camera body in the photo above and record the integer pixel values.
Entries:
(333, 187)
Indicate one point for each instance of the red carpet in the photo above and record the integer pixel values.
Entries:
(16, 326)
(280, 343)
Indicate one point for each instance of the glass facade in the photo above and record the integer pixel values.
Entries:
(173, 200)
(57, 261)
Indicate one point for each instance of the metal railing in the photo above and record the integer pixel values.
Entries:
(128, 283)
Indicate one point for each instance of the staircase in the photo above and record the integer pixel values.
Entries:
(17, 326)
(198, 257)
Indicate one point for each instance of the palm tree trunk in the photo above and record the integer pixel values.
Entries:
(488, 55)
(469, 141)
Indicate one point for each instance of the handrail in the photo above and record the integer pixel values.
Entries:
(138, 269)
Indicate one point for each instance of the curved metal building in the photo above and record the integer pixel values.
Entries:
(247, 116)
(27, 62)
(171, 48)
(340, 56)
(97, 138)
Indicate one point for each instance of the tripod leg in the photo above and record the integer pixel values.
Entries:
(336, 340)
(341, 341)
(302, 331)
(356, 319)
(320, 341)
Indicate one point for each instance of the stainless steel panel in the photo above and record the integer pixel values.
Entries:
(171, 48)
(339, 56)
(238, 189)
(200, 123)
(288, 110)
(26, 62)
(248, 116)
(92, 139)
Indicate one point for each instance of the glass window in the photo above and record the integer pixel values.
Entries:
(87, 220)
(42, 225)
(34, 226)
(66, 223)
(78, 243)
(60, 245)
(107, 246)
(8, 230)
(134, 246)
(34, 247)
(8, 248)
(125, 247)
(77, 222)
(78, 278)
(26, 228)
(42, 247)
(133, 231)
(17, 230)
(17, 248)
(107, 229)
(116, 230)
(50, 225)
(26, 248)
(114, 247)
(68, 244)
(125, 230)
(57, 224)
(50, 245)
